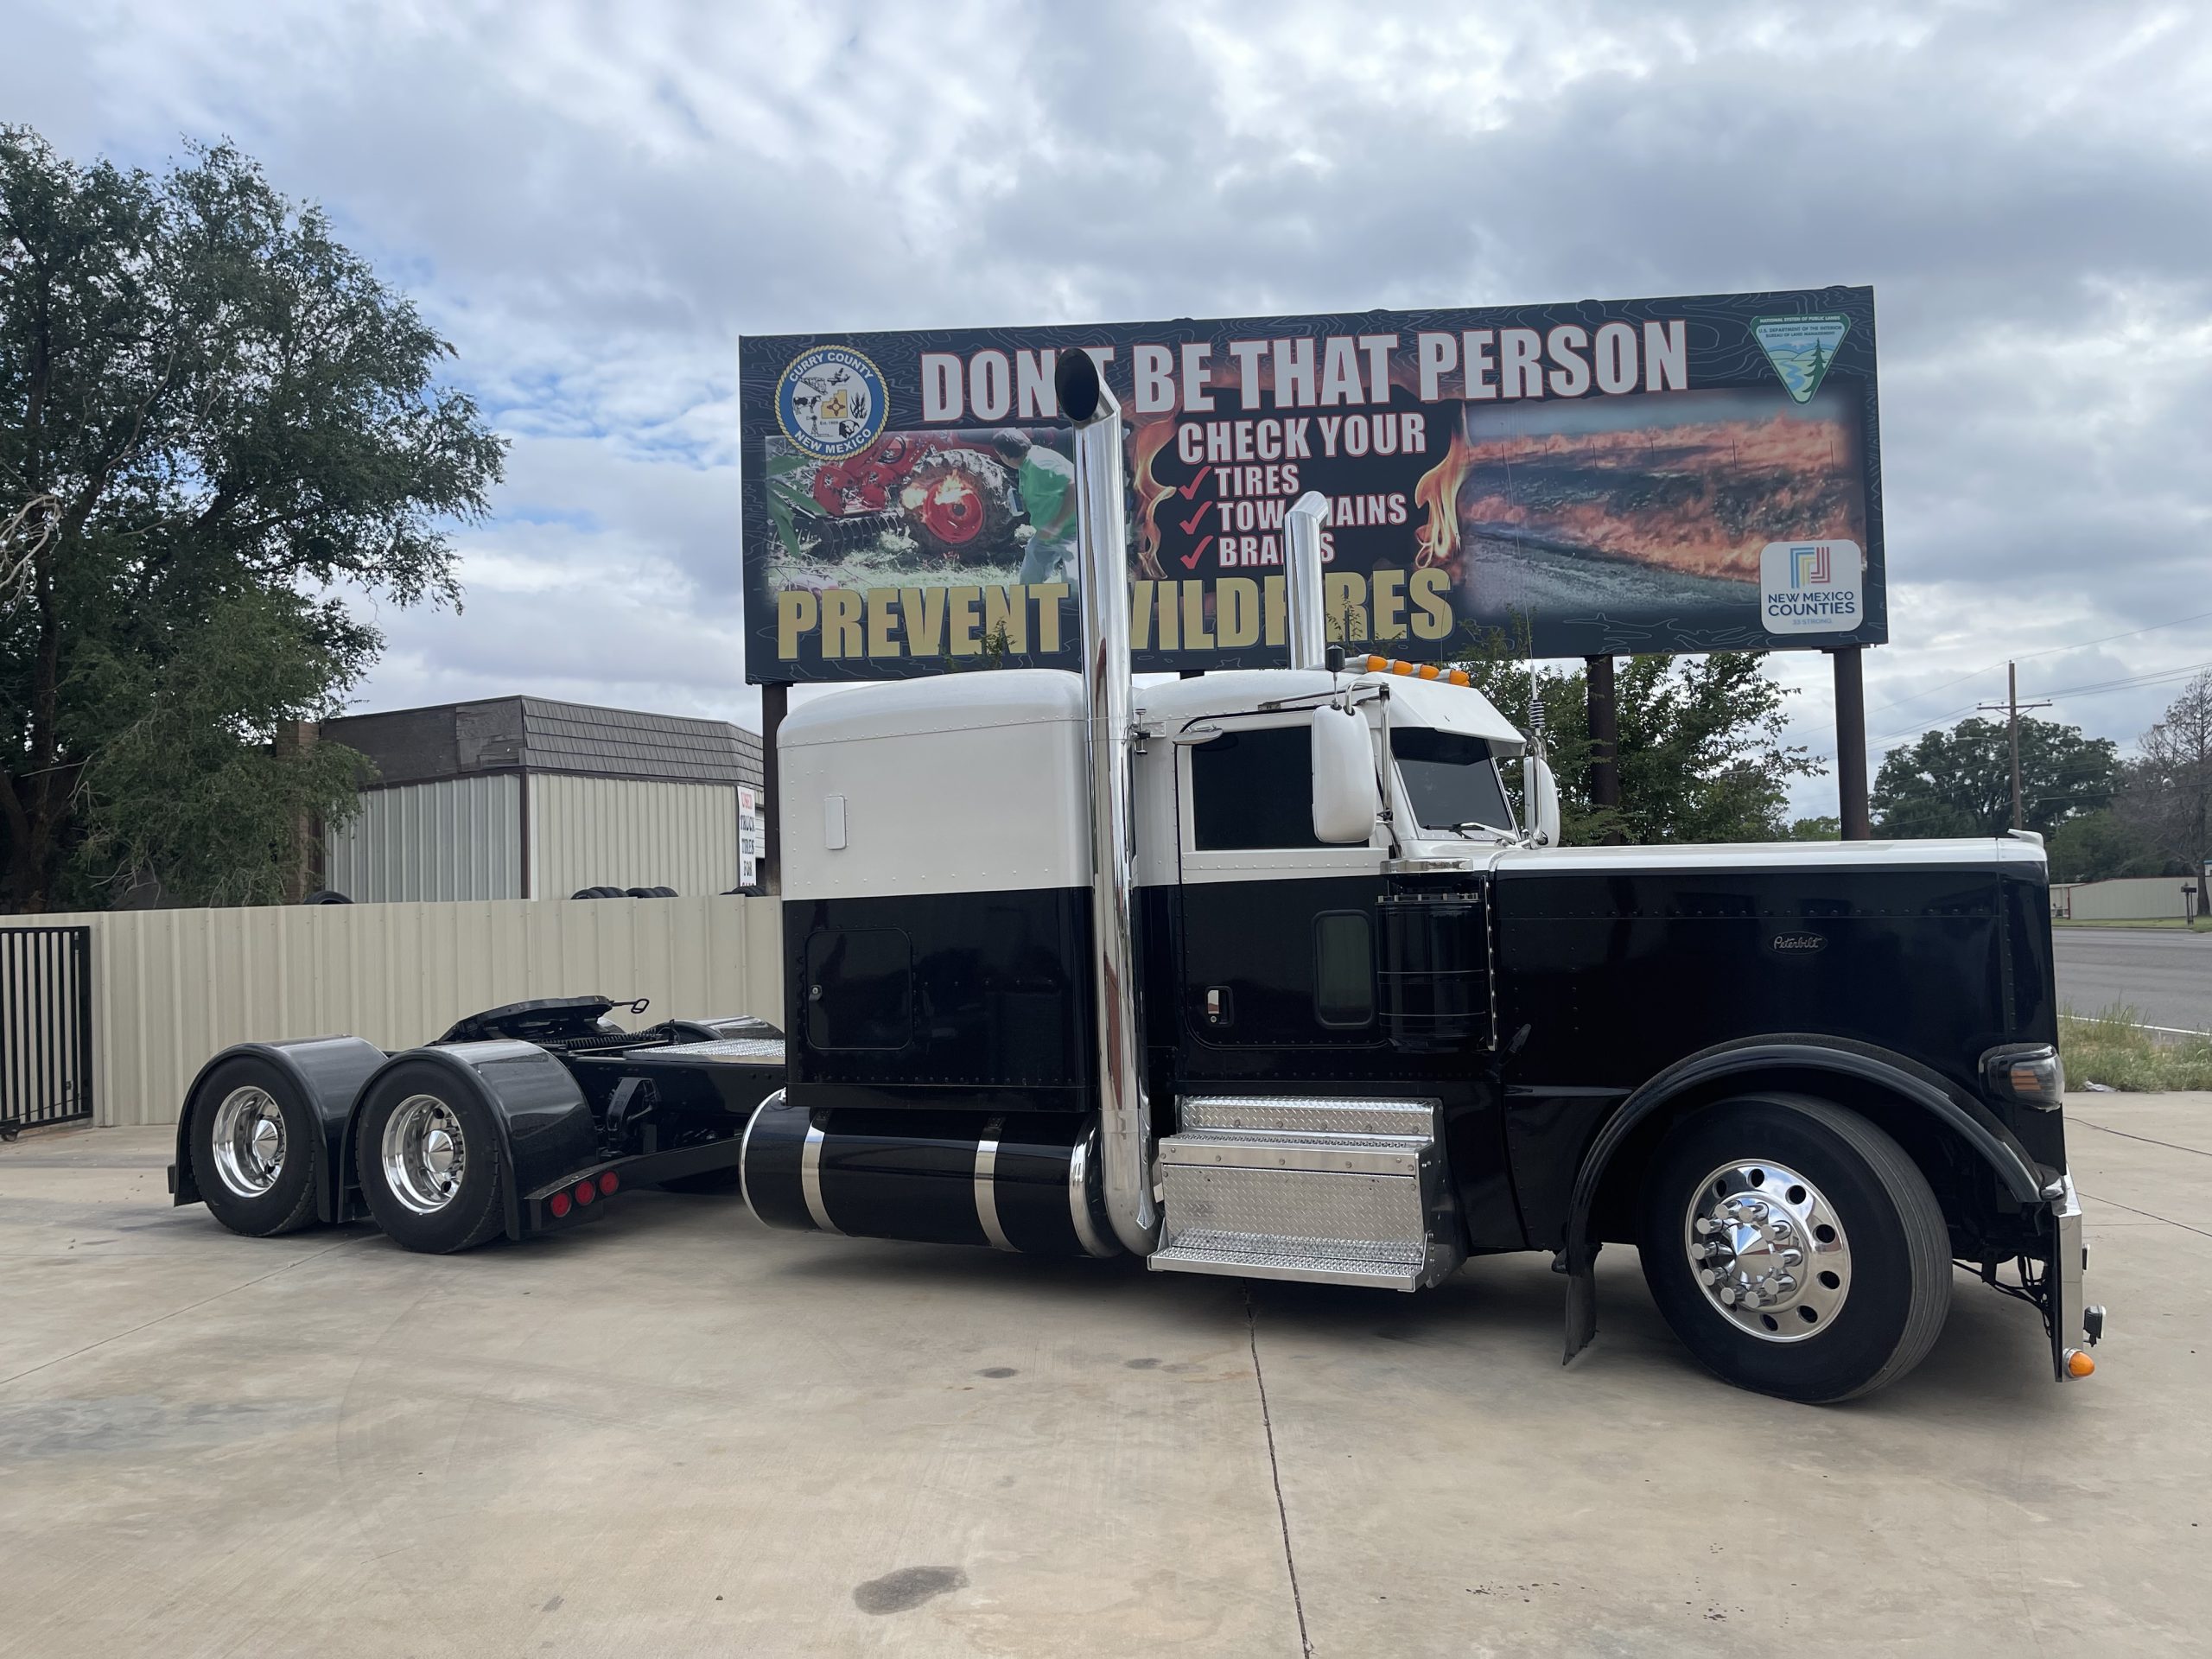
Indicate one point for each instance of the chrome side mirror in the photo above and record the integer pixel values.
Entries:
(1345, 803)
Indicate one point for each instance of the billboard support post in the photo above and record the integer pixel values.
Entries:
(775, 703)
(1851, 743)
(1604, 740)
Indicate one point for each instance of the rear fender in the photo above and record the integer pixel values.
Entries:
(329, 1073)
(546, 1127)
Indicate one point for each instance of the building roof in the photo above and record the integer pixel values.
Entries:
(456, 739)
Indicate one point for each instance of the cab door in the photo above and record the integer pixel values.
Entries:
(1277, 930)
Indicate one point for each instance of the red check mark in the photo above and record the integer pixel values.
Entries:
(1192, 523)
(1192, 488)
(1190, 559)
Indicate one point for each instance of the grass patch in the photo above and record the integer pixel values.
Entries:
(2111, 1048)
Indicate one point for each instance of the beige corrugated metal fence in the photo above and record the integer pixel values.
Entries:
(2128, 898)
(171, 987)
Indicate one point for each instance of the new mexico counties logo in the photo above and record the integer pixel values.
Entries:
(1801, 348)
(831, 403)
(1811, 586)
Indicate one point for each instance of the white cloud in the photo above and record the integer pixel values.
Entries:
(596, 201)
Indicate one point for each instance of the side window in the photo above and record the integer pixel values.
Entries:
(1343, 968)
(1254, 790)
(858, 988)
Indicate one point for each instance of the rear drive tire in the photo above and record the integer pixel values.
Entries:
(1794, 1248)
(256, 1148)
(428, 1160)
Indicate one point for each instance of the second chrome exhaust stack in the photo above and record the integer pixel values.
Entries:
(1101, 549)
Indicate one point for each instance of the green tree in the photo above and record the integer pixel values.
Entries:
(2098, 846)
(2168, 791)
(214, 422)
(1702, 755)
(1816, 829)
(1960, 782)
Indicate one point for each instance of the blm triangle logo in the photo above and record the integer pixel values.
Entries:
(1801, 348)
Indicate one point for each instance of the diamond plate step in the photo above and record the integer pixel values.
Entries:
(1332, 1190)
(1252, 1255)
(1306, 1115)
(1366, 1155)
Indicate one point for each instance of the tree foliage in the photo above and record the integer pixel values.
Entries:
(1702, 755)
(1958, 782)
(2167, 796)
(214, 420)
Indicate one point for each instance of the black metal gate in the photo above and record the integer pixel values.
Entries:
(46, 1026)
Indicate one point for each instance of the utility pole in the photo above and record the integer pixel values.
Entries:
(2010, 708)
(1604, 740)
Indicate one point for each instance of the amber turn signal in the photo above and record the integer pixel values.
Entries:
(2079, 1363)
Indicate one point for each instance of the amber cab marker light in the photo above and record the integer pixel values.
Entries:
(1421, 671)
(2079, 1363)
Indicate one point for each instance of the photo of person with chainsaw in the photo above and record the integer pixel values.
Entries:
(1044, 479)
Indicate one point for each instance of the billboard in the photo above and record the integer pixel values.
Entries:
(1598, 476)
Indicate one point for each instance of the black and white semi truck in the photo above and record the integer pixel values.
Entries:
(1257, 974)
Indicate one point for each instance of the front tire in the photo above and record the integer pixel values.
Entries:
(256, 1146)
(428, 1160)
(1794, 1248)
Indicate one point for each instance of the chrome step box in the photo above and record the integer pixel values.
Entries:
(1330, 1191)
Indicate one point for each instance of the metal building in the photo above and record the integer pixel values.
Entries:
(524, 797)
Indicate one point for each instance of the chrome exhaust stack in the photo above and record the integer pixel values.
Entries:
(1102, 545)
(1301, 569)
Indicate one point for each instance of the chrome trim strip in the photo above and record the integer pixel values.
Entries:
(1086, 1230)
(2066, 1295)
(809, 1179)
(744, 1149)
(986, 1198)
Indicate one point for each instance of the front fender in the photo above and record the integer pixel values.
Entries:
(329, 1073)
(1973, 1121)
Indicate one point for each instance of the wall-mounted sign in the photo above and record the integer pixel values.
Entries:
(1638, 475)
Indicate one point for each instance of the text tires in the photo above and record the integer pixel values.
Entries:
(1794, 1248)
(428, 1158)
(257, 1146)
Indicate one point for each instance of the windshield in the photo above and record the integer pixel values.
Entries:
(1451, 780)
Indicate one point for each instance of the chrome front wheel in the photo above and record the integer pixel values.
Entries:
(425, 1154)
(1769, 1250)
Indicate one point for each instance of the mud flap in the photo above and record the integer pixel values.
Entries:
(1581, 1266)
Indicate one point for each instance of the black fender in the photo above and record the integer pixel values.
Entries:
(1972, 1121)
(545, 1125)
(329, 1073)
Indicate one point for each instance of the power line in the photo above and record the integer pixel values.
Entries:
(2048, 651)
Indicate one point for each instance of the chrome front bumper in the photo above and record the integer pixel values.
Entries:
(2074, 1324)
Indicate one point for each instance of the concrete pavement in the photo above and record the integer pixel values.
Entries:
(676, 1433)
(2166, 977)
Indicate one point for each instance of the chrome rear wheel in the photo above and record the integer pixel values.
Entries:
(248, 1142)
(425, 1154)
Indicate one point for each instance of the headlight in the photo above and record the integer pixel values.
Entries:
(2033, 1076)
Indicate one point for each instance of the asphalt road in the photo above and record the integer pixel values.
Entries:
(677, 1432)
(2165, 977)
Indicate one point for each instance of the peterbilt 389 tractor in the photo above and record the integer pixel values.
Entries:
(1258, 974)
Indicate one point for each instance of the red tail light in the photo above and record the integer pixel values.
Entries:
(558, 1204)
(608, 1182)
(586, 1192)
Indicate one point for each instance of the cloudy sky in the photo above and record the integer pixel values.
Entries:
(594, 202)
